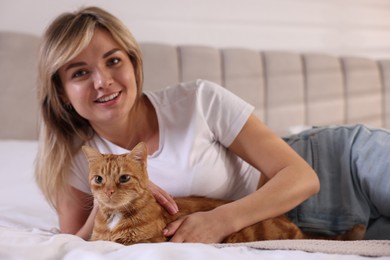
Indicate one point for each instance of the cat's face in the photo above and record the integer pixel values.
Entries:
(117, 180)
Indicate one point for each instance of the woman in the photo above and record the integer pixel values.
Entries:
(201, 139)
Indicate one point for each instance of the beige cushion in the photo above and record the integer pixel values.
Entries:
(363, 86)
(243, 75)
(161, 66)
(324, 90)
(284, 91)
(385, 69)
(200, 62)
(18, 105)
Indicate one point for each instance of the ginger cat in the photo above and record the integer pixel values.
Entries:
(128, 212)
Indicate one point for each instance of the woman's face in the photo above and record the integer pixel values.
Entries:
(100, 83)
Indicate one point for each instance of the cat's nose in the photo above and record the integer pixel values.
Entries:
(109, 193)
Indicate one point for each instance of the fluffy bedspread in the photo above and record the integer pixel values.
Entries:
(29, 229)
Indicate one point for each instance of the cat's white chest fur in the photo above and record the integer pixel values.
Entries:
(114, 220)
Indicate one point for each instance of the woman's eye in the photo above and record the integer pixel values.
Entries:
(124, 178)
(79, 73)
(98, 179)
(113, 61)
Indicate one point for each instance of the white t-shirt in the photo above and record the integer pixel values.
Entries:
(197, 121)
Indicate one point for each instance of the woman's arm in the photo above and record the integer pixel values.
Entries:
(290, 181)
(76, 212)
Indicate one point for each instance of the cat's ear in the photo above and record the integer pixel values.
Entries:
(91, 153)
(140, 152)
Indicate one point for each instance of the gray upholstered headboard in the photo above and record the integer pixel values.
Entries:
(18, 106)
(288, 89)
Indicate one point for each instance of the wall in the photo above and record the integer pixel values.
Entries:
(340, 27)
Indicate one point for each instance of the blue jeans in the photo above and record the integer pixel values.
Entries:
(353, 165)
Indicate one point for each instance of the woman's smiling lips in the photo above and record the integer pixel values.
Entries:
(107, 98)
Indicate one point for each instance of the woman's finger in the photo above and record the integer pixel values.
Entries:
(171, 229)
(163, 198)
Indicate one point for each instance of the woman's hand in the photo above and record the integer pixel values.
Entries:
(199, 227)
(163, 198)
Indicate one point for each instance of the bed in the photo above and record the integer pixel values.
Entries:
(290, 91)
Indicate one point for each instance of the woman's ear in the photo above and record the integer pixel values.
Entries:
(68, 106)
(61, 92)
(66, 102)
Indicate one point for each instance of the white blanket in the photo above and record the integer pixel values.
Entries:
(29, 229)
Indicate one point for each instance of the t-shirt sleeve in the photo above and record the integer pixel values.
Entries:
(225, 112)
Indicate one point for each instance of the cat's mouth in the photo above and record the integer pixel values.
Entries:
(110, 203)
(114, 202)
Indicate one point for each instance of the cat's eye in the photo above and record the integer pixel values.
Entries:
(124, 178)
(98, 179)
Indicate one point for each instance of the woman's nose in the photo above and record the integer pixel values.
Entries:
(102, 78)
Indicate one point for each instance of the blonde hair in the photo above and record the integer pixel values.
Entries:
(63, 130)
